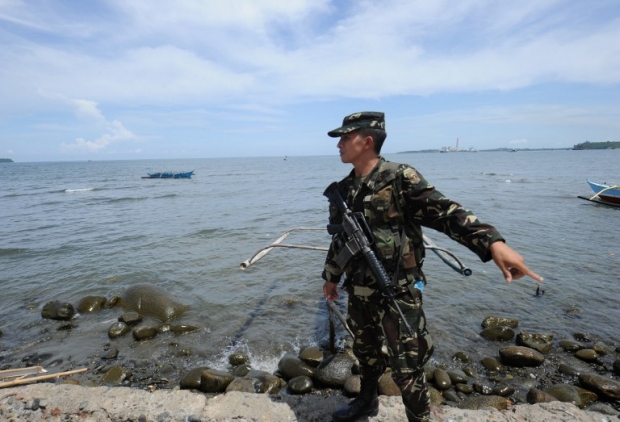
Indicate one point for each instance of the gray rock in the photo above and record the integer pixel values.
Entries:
(536, 341)
(483, 388)
(566, 393)
(111, 354)
(191, 380)
(236, 359)
(457, 376)
(115, 375)
(144, 332)
(215, 381)
(352, 385)
(130, 318)
(334, 371)
(535, 395)
(464, 388)
(462, 356)
(300, 385)
(387, 386)
(503, 390)
(587, 355)
(601, 348)
(442, 379)
(178, 329)
(91, 303)
(571, 345)
(617, 366)
(452, 396)
(118, 329)
(312, 355)
(150, 300)
(520, 356)
(58, 310)
(497, 321)
(267, 383)
(244, 385)
(290, 366)
(492, 364)
(498, 333)
(603, 386)
(242, 370)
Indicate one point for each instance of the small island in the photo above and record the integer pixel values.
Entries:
(597, 145)
(5, 160)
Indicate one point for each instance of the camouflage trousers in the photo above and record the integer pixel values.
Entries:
(374, 321)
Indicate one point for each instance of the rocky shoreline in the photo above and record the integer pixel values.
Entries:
(530, 371)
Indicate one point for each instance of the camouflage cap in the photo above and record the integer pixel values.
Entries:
(355, 121)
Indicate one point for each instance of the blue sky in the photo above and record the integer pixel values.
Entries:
(118, 79)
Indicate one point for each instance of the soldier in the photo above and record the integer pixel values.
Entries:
(397, 201)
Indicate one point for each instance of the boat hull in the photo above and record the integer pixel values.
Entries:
(604, 193)
(169, 175)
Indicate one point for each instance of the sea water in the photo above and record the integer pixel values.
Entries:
(74, 229)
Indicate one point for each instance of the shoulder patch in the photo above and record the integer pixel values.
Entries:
(411, 175)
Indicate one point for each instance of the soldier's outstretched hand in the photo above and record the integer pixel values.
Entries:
(510, 262)
(330, 291)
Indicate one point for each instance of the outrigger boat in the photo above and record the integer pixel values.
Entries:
(169, 175)
(604, 194)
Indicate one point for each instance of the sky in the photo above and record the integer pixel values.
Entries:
(144, 79)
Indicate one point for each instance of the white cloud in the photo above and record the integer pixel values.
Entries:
(115, 131)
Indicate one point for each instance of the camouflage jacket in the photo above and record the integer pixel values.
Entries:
(394, 197)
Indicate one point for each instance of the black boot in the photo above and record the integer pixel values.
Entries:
(365, 404)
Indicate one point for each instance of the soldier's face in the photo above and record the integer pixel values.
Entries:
(351, 146)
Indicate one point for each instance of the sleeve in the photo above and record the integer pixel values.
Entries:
(426, 206)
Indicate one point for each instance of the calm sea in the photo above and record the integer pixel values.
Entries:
(69, 230)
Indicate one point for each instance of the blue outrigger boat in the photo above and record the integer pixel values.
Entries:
(604, 194)
(169, 175)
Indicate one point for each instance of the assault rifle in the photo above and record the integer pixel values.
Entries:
(356, 239)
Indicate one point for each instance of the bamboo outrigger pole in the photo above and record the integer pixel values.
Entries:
(22, 375)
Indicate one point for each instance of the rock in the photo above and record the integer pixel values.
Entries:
(179, 329)
(300, 385)
(503, 390)
(567, 394)
(520, 356)
(436, 396)
(457, 376)
(290, 366)
(604, 409)
(492, 364)
(387, 386)
(498, 333)
(130, 318)
(267, 383)
(144, 332)
(91, 303)
(497, 321)
(601, 348)
(540, 342)
(236, 359)
(150, 300)
(617, 366)
(571, 345)
(242, 370)
(451, 396)
(587, 355)
(352, 385)
(535, 395)
(464, 388)
(333, 371)
(603, 386)
(442, 379)
(111, 354)
(312, 355)
(585, 337)
(118, 329)
(470, 372)
(191, 380)
(115, 375)
(244, 385)
(483, 388)
(480, 402)
(58, 310)
(462, 356)
(215, 381)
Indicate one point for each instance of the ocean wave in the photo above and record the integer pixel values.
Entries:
(10, 251)
(78, 190)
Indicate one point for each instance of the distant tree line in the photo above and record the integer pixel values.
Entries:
(597, 145)
(5, 160)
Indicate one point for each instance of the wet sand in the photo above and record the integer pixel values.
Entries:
(65, 402)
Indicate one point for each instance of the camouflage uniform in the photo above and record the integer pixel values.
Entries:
(395, 197)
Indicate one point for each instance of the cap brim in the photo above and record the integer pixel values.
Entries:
(342, 130)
